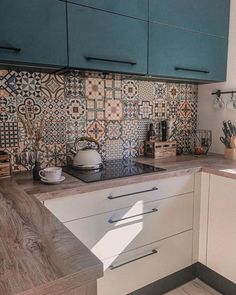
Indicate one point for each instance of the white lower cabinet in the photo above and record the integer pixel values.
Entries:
(114, 232)
(141, 232)
(221, 245)
(140, 267)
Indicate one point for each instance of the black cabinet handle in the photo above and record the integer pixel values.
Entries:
(15, 49)
(192, 70)
(153, 252)
(91, 58)
(131, 194)
(129, 217)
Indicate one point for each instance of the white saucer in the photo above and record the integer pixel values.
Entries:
(53, 182)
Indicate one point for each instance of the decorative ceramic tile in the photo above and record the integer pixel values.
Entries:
(113, 130)
(96, 129)
(112, 88)
(28, 84)
(183, 91)
(55, 132)
(160, 109)
(30, 106)
(145, 110)
(54, 108)
(8, 134)
(7, 83)
(76, 108)
(102, 149)
(7, 109)
(74, 85)
(172, 109)
(173, 91)
(74, 130)
(130, 129)
(53, 86)
(130, 148)
(130, 110)
(160, 90)
(191, 92)
(56, 155)
(13, 152)
(94, 88)
(185, 109)
(146, 90)
(95, 110)
(143, 127)
(114, 153)
(113, 110)
(130, 89)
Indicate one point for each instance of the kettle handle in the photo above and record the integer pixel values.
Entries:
(89, 139)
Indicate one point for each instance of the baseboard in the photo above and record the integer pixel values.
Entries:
(177, 279)
(216, 281)
(169, 283)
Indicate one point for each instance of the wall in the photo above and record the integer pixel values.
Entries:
(115, 111)
(207, 117)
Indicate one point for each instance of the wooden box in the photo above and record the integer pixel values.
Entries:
(5, 169)
(160, 150)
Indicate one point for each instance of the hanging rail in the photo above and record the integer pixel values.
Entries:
(219, 92)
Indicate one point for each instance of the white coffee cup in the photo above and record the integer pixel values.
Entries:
(51, 174)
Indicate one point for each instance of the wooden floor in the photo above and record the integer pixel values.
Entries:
(195, 287)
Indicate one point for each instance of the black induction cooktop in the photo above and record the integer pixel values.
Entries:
(112, 169)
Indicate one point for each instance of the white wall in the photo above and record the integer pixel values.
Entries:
(208, 118)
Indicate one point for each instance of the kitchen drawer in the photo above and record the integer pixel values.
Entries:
(83, 205)
(99, 40)
(173, 254)
(132, 8)
(109, 234)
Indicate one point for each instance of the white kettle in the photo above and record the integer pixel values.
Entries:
(87, 157)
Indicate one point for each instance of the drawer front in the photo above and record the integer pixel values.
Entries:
(133, 8)
(31, 31)
(211, 16)
(183, 54)
(110, 42)
(79, 206)
(110, 234)
(173, 254)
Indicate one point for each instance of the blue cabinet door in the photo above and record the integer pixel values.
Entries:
(33, 32)
(100, 40)
(132, 8)
(177, 53)
(208, 16)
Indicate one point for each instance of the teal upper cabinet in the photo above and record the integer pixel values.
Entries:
(132, 8)
(207, 16)
(33, 32)
(104, 41)
(177, 53)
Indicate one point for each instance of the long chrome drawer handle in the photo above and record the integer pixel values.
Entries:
(131, 194)
(153, 252)
(125, 218)
(128, 62)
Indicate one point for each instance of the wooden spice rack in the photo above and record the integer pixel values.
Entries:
(160, 150)
(5, 168)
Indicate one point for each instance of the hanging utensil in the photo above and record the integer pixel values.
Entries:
(231, 128)
(227, 129)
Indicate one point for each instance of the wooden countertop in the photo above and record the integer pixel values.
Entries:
(38, 254)
(181, 165)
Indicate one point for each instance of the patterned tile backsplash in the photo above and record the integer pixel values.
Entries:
(114, 110)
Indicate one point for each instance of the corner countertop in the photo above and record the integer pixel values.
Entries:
(181, 165)
(38, 255)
